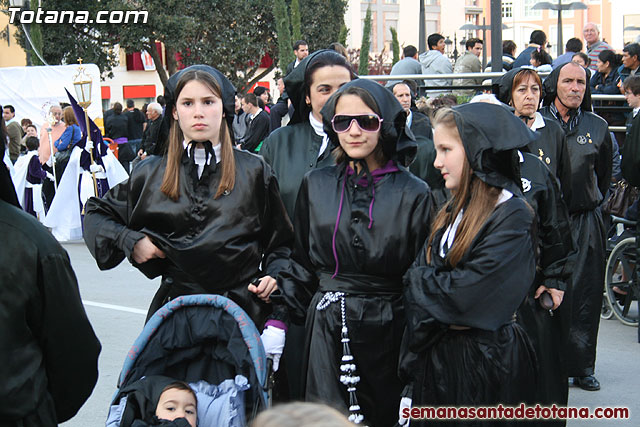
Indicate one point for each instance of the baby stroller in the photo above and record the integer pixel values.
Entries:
(203, 339)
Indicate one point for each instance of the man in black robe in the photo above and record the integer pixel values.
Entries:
(568, 101)
(49, 356)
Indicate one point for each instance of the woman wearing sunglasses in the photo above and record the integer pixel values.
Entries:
(359, 225)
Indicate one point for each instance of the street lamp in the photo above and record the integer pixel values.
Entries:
(447, 45)
(559, 7)
(82, 84)
(24, 5)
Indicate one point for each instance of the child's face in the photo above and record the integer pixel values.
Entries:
(450, 155)
(174, 403)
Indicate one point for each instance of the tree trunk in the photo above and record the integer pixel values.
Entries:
(158, 62)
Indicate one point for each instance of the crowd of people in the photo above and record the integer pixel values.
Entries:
(393, 253)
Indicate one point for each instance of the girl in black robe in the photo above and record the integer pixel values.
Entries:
(463, 347)
(294, 150)
(206, 217)
(359, 224)
(589, 145)
(522, 88)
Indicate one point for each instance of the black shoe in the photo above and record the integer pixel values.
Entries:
(589, 383)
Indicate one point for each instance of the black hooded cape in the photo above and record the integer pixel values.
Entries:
(590, 150)
(551, 146)
(488, 360)
(375, 240)
(548, 333)
(49, 362)
(211, 245)
(294, 150)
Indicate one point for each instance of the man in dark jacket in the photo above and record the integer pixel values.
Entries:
(568, 102)
(150, 134)
(301, 51)
(538, 40)
(49, 354)
(117, 128)
(135, 127)
(258, 126)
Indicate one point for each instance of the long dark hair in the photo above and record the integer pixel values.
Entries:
(171, 179)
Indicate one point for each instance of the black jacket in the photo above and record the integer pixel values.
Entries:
(552, 149)
(49, 357)
(117, 126)
(292, 151)
(150, 136)
(214, 245)
(257, 131)
(590, 152)
(136, 121)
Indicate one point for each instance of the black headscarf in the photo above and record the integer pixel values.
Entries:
(296, 87)
(550, 87)
(228, 100)
(503, 89)
(7, 190)
(491, 136)
(398, 143)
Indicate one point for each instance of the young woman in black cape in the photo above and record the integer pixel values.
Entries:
(589, 146)
(294, 150)
(205, 216)
(463, 347)
(303, 145)
(522, 88)
(359, 225)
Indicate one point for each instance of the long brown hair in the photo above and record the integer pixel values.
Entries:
(476, 197)
(171, 179)
(69, 116)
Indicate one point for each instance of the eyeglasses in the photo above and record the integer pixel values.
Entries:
(366, 122)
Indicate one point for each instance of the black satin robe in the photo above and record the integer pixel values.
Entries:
(589, 145)
(548, 333)
(371, 264)
(552, 149)
(48, 351)
(493, 361)
(292, 151)
(211, 245)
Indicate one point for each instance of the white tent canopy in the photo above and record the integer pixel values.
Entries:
(31, 90)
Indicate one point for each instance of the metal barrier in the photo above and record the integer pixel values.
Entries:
(490, 75)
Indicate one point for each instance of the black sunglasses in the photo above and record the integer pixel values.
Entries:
(366, 122)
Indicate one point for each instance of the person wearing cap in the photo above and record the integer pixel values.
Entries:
(463, 346)
(567, 101)
(359, 225)
(205, 217)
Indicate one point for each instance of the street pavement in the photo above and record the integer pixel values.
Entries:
(116, 302)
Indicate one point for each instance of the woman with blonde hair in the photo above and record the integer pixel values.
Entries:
(206, 217)
(301, 414)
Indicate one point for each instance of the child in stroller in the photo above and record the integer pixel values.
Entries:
(206, 341)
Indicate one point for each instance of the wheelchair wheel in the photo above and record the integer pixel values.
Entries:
(621, 291)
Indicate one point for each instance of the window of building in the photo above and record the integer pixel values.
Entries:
(507, 9)
(529, 12)
(432, 2)
(391, 1)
